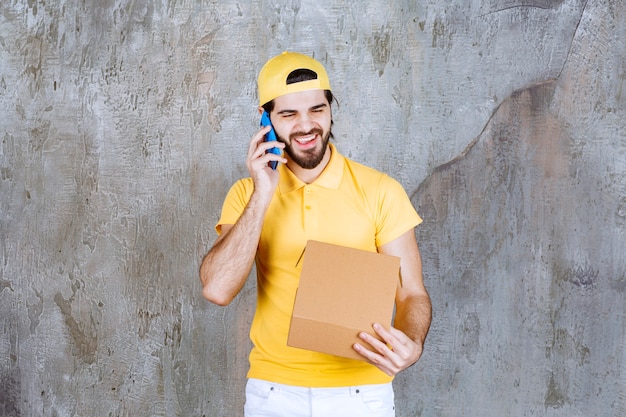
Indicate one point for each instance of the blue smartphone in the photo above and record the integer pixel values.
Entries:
(270, 136)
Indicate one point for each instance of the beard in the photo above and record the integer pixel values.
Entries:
(310, 158)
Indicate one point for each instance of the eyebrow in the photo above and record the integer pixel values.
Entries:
(316, 107)
(319, 106)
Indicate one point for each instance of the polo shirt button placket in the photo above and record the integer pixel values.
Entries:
(307, 213)
(307, 192)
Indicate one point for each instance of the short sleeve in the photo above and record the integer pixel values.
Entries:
(395, 213)
(235, 203)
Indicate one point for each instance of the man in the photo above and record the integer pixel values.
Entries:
(315, 193)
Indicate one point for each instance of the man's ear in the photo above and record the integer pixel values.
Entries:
(261, 110)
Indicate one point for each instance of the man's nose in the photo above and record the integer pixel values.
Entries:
(305, 123)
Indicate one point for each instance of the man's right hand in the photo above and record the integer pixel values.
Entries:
(264, 177)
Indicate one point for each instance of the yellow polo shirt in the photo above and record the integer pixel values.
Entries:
(350, 205)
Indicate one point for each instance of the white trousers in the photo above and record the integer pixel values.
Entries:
(268, 399)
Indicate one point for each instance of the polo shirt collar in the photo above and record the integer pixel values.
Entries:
(329, 178)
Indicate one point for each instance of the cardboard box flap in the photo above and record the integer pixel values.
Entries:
(342, 291)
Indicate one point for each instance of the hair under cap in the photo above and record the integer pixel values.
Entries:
(272, 81)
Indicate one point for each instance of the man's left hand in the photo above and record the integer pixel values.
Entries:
(395, 353)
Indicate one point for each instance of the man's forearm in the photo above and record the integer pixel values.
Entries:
(413, 316)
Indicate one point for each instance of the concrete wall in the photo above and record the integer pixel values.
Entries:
(123, 124)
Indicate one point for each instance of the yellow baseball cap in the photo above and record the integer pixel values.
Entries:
(272, 81)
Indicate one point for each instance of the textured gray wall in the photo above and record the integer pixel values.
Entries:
(124, 123)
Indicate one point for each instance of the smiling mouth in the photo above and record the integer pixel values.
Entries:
(304, 139)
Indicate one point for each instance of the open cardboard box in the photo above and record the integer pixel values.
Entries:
(342, 292)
